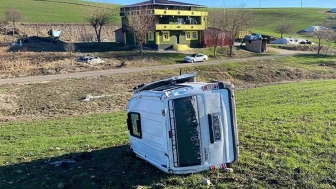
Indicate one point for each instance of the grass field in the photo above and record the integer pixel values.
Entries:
(54, 11)
(287, 140)
(266, 20)
(71, 11)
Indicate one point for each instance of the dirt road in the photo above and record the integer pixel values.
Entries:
(33, 79)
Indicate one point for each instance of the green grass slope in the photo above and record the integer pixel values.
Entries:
(52, 11)
(287, 140)
(72, 11)
(266, 20)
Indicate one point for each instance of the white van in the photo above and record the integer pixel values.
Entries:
(182, 126)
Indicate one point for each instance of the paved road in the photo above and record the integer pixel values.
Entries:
(129, 70)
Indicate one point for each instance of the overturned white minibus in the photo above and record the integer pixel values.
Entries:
(182, 126)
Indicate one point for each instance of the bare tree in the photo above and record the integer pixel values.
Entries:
(140, 22)
(98, 17)
(3, 28)
(284, 27)
(323, 35)
(13, 15)
(236, 20)
(215, 27)
(70, 47)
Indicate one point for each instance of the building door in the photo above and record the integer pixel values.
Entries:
(177, 39)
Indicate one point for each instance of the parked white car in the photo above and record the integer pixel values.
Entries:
(196, 58)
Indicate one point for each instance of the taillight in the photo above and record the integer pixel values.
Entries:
(211, 86)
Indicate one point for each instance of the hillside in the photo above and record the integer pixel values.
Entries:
(287, 140)
(53, 11)
(266, 20)
(71, 11)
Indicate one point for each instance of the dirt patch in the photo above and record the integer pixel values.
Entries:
(66, 97)
(305, 48)
(8, 105)
(70, 32)
(20, 64)
(331, 64)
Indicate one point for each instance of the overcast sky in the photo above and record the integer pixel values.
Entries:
(247, 3)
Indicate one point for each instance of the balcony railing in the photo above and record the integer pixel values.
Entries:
(180, 27)
(161, 12)
(179, 12)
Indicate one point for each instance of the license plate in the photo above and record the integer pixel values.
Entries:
(220, 166)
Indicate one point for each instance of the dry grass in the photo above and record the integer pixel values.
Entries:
(14, 64)
(327, 49)
(70, 32)
(18, 64)
(65, 97)
(7, 103)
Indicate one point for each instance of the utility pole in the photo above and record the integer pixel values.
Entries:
(259, 4)
(301, 4)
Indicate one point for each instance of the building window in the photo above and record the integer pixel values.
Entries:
(180, 20)
(194, 35)
(134, 124)
(150, 36)
(188, 35)
(166, 36)
(191, 35)
(192, 21)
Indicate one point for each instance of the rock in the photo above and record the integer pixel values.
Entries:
(181, 182)
(19, 171)
(254, 180)
(87, 98)
(206, 182)
(297, 170)
(60, 185)
(228, 170)
(138, 187)
(158, 186)
(10, 182)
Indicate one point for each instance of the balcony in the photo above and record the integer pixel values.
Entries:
(179, 12)
(180, 27)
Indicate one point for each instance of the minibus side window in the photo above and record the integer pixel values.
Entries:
(134, 124)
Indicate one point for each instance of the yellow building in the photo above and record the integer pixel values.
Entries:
(179, 24)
